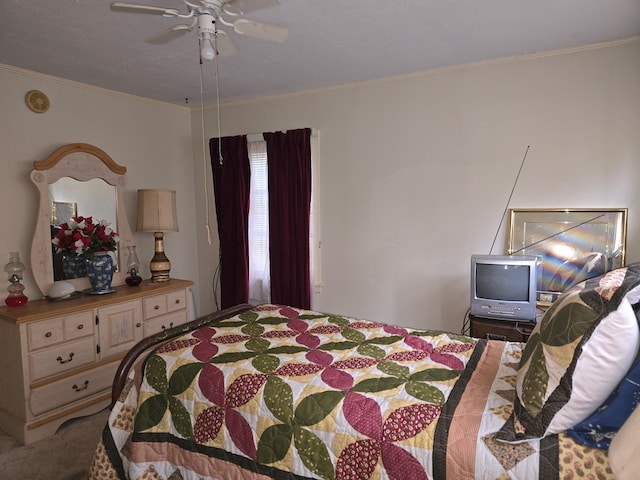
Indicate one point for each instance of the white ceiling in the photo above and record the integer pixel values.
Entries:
(330, 42)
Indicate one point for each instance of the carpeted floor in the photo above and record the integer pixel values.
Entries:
(65, 456)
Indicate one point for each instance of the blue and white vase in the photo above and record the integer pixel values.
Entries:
(100, 272)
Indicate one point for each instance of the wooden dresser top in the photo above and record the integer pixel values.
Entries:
(38, 309)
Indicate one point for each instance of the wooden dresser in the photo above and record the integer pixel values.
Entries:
(58, 359)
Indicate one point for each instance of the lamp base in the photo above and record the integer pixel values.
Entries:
(16, 300)
(160, 265)
(133, 280)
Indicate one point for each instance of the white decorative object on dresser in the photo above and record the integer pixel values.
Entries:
(58, 359)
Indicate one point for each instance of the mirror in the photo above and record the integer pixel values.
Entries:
(77, 179)
(70, 198)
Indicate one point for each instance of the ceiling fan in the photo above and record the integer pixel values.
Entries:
(206, 15)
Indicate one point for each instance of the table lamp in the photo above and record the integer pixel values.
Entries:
(157, 214)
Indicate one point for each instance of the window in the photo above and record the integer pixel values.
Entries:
(259, 291)
(259, 277)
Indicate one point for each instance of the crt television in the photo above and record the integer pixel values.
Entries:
(504, 286)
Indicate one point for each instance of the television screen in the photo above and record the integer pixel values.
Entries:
(502, 282)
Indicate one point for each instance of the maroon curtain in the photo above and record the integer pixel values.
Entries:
(231, 183)
(289, 171)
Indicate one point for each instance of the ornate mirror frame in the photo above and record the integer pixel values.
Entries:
(82, 162)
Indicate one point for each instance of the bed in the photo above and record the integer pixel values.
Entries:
(279, 392)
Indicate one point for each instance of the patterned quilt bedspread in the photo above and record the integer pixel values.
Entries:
(278, 392)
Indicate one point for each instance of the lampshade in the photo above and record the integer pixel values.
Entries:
(157, 211)
(157, 214)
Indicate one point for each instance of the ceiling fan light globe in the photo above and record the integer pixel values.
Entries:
(206, 51)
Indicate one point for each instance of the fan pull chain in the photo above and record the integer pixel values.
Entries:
(215, 47)
(204, 152)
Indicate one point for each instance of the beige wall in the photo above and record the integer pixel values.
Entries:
(151, 139)
(416, 171)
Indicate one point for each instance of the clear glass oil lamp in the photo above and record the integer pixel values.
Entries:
(14, 269)
(133, 265)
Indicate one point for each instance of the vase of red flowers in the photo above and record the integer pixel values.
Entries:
(84, 242)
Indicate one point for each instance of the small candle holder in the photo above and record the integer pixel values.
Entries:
(133, 264)
(14, 269)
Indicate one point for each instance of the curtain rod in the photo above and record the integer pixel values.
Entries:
(257, 137)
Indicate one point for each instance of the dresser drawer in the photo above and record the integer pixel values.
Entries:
(79, 325)
(45, 334)
(155, 306)
(165, 303)
(176, 300)
(60, 329)
(170, 320)
(55, 360)
(71, 389)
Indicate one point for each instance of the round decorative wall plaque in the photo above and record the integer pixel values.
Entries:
(37, 101)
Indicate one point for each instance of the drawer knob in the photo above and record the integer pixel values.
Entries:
(81, 326)
(84, 387)
(177, 301)
(138, 325)
(157, 307)
(48, 334)
(60, 359)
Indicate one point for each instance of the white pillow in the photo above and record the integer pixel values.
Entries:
(576, 356)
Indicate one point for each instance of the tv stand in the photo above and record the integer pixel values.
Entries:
(507, 330)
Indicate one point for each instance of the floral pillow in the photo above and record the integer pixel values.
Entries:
(576, 356)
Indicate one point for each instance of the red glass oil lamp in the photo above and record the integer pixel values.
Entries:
(14, 269)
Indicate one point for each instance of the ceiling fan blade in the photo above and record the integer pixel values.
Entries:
(240, 7)
(168, 35)
(264, 31)
(138, 8)
(224, 44)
